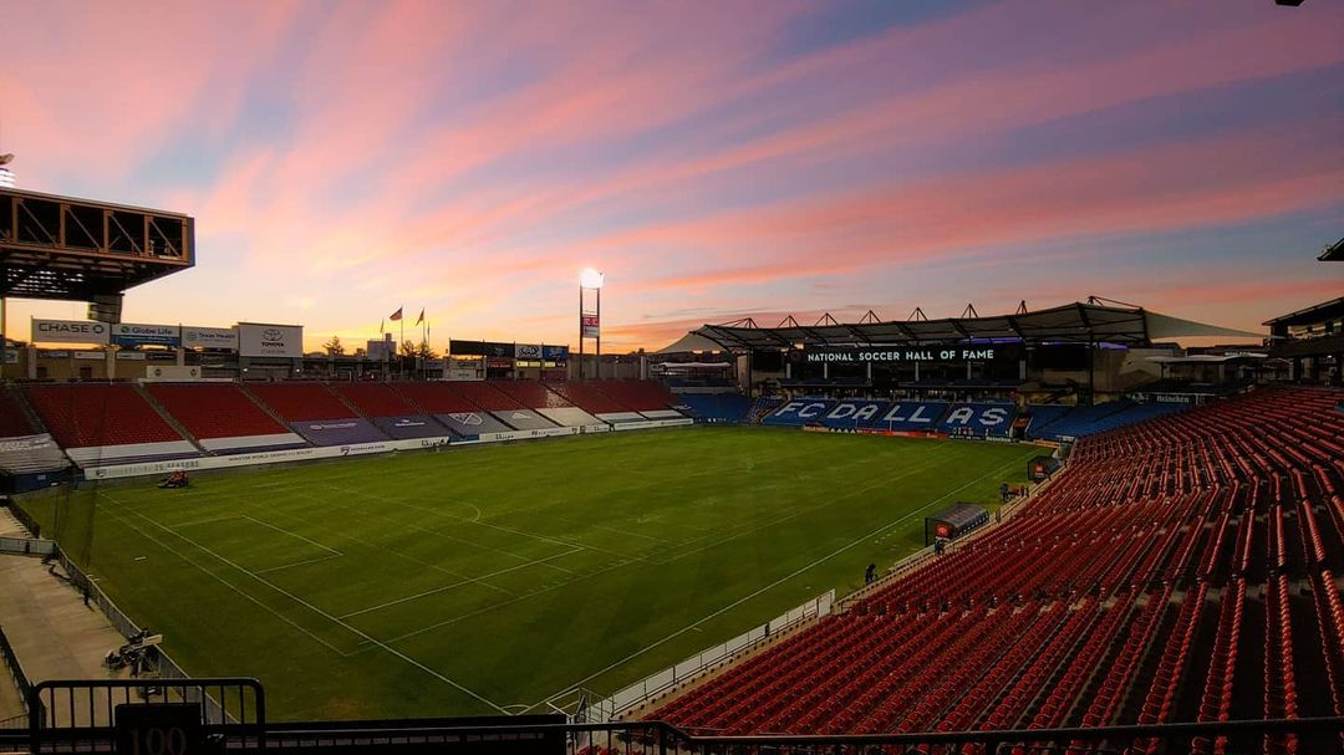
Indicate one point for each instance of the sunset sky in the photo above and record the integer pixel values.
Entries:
(714, 159)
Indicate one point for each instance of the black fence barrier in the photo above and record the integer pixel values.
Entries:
(24, 518)
(66, 717)
(14, 670)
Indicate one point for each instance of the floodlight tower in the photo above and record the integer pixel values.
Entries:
(590, 318)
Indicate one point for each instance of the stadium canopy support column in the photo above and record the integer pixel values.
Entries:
(1091, 373)
(751, 373)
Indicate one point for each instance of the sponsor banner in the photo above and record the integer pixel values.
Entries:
(472, 424)
(131, 356)
(197, 337)
(523, 419)
(549, 432)
(461, 373)
(480, 348)
(259, 457)
(529, 351)
(897, 354)
(410, 426)
(652, 423)
(590, 326)
(92, 356)
(131, 334)
(337, 432)
(499, 363)
(265, 340)
(555, 353)
(70, 331)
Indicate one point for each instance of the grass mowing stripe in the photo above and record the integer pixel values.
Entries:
(221, 580)
(591, 504)
(353, 630)
(445, 588)
(772, 585)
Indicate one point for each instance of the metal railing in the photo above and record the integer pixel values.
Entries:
(24, 546)
(658, 738)
(20, 680)
(28, 522)
(690, 669)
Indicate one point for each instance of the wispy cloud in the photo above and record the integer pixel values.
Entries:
(713, 159)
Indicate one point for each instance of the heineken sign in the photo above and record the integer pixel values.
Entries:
(892, 354)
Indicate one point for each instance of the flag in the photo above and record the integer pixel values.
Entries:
(422, 317)
(382, 326)
(395, 315)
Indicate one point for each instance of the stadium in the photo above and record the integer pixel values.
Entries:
(1051, 529)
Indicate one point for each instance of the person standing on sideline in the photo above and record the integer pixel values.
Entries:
(870, 574)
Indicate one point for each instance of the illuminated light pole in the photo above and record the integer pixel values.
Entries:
(590, 321)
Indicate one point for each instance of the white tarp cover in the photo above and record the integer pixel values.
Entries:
(569, 416)
(1164, 326)
(95, 454)
(689, 343)
(252, 441)
(31, 453)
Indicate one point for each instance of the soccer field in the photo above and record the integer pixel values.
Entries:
(488, 579)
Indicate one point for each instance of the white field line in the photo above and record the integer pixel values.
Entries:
(446, 588)
(532, 535)
(398, 554)
(502, 604)
(211, 520)
(829, 501)
(284, 531)
(304, 562)
(353, 630)
(774, 584)
(217, 578)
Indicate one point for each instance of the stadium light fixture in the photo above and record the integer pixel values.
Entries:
(591, 278)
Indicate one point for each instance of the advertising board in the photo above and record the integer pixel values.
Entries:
(269, 340)
(130, 334)
(70, 331)
(198, 337)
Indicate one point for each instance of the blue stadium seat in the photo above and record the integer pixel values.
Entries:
(799, 412)
(714, 407)
(979, 419)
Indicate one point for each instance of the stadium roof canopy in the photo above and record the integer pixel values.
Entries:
(57, 247)
(1333, 253)
(1316, 313)
(1070, 323)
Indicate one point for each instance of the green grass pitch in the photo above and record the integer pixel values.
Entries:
(489, 579)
